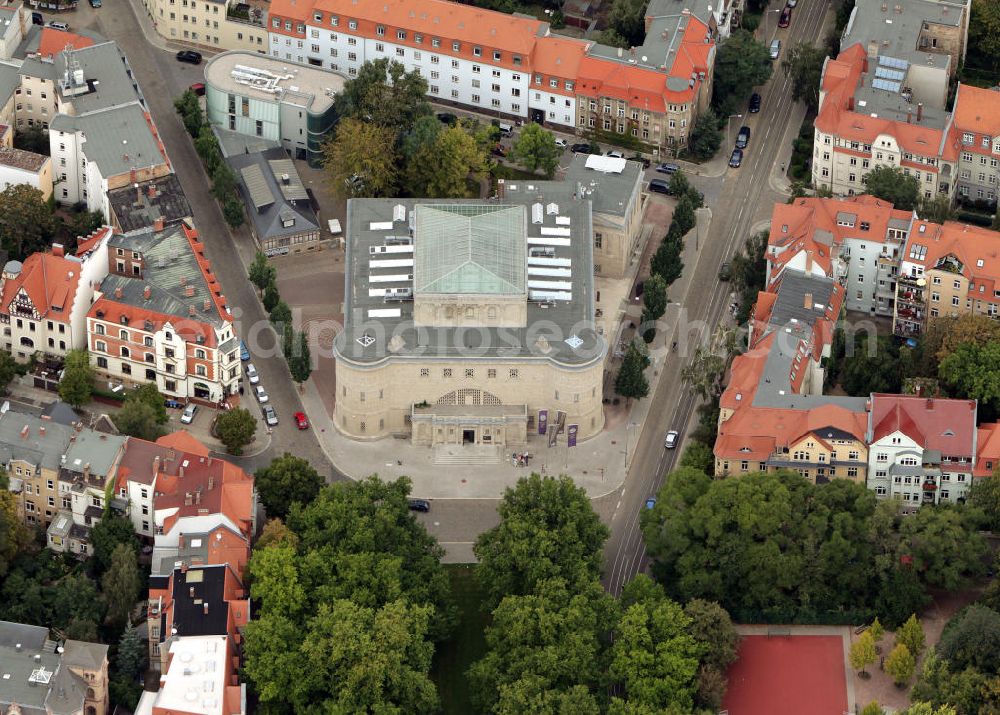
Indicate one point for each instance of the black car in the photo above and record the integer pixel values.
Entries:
(736, 159)
(189, 56)
(447, 118)
(754, 103)
(37, 19)
(646, 163)
(667, 168)
(725, 271)
(743, 138)
(419, 505)
(580, 148)
(660, 186)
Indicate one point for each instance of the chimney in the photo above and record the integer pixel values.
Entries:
(809, 261)
(156, 465)
(118, 293)
(138, 193)
(204, 607)
(86, 470)
(909, 115)
(147, 293)
(197, 497)
(187, 499)
(850, 104)
(184, 567)
(24, 432)
(58, 250)
(191, 311)
(184, 280)
(189, 292)
(17, 648)
(191, 591)
(41, 431)
(920, 111)
(930, 404)
(211, 482)
(207, 305)
(151, 191)
(158, 224)
(180, 471)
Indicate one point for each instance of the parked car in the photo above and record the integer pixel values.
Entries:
(261, 394)
(173, 404)
(270, 416)
(792, 3)
(58, 25)
(725, 271)
(659, 186)
(775, 49)
(615, 154)
(447, 118)
(419, 505)
(301, 421)
(561, 143)
(505, 129)
(754, 103)
(37, 19)
(95, 3)
(499, 151)
(646, 163)
(581, 148)
(198, 88)
(667, 168)
(252, 374)
(244, 352)
(670, 441)
(736, 159)
(743, 138)
(786, 16)
(189, 412)
(651, 502)
(189, 56)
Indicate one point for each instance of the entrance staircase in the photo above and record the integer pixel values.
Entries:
(467, 454)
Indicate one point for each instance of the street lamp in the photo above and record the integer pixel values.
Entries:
(629, 426)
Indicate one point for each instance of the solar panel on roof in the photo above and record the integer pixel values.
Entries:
(888, 61)
(886, 73)
(886, 85)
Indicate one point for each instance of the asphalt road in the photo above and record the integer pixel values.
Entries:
(748, 199)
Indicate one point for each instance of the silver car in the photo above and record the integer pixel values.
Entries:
(188, 416)
(270, 416)
(261, 394)
(252, 375)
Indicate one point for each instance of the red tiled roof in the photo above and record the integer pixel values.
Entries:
(970, 245)
(53, 41)
(948, 426)
(987, 449)
(50, 283)
(976, 110)
(183, 441)
(754, 433)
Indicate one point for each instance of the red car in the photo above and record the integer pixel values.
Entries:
(786, 17)
(198, 88)
(301, 420)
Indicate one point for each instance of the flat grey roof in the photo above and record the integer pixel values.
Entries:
(33, 439)
(139, 205)
(378, 327)
(609, 192)
(96, 449)
(233, 143)
(117, 139)
(289, 182)
(304, 85)
(890, 104)
(10, 80)
(108, 78)
(896, 33)
(261, 186)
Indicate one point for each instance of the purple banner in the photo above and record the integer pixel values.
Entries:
(571, 435)
(543, 421)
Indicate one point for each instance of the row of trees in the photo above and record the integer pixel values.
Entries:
(558, 643)
(772, 547)
(352, 598)
(224, 183)
(294, 343)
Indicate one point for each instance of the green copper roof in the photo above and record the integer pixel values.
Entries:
(470, 249)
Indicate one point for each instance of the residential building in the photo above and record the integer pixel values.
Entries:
(14, 23)
(195, 601)
(424, 276)
(263, 97)
(25, 167)
(90, 461)
(921, 450)
(511, 66)
(282, 219)
(160, 317)
(987, 450)
(39, 677)
(200, 678)
(946, 270)
(44, 301)
(976, 128)
(141, 204)
(216, 25)
(856, 240)
(31, 451)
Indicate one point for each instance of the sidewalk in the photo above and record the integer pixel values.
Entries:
(597, 465)
(154, 38)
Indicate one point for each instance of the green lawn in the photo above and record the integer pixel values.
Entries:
(466, 645)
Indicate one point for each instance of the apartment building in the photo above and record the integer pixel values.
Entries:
(855, 240)
(160, 316)
(216, 25)
(44, 301)
(200, 678)
(31, 451)
(195, 601)
(921, 450)
(142, 204)
(39, 677)
(25, 167)
(511, 66)
(976, 129)
(946, 270)
(14, 23)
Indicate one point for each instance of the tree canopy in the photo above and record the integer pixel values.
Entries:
(891, 184)
(804, 64)
(706, 138)
(27, 224)
(77, 383)
(236, 429)
(627, 20)
(972, 638)
(385, 95)
(286, 480)
(535, 149)
(360, 159)
(631, 382)
(741, 63)
(442, 167)
(973, 371)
